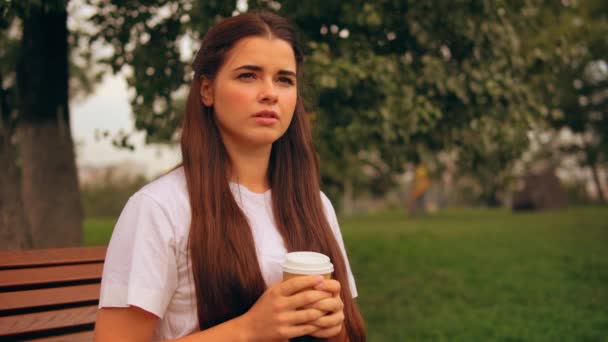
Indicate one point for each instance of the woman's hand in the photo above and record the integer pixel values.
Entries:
(283, 311)
(331, 323)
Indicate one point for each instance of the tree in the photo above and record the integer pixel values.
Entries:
(14, 230)
(396, 79)
(145, 38)
(389, 78)
(35, 111)
(571, 74)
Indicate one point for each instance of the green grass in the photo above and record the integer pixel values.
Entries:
(98, 230)
(475, 275)
(479, 275)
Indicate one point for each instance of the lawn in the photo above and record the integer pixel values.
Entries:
(475, 274)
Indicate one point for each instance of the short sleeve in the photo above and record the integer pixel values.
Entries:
(140, 266)
(333, 222)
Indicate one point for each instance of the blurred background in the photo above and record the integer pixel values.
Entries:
(463, 143)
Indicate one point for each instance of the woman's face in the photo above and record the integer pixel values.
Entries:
(254, 93)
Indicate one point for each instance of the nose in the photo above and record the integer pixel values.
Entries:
(268, 92)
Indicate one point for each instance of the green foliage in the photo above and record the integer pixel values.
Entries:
(416, 74)
(145, 39)
(571, 73)
(414, 78)
(475, 275)
(390, 82)
(107, 197)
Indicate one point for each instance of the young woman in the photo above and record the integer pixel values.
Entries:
(196, 254)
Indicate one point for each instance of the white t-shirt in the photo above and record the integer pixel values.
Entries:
(147, 259)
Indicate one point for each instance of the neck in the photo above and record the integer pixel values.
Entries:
(249, 166)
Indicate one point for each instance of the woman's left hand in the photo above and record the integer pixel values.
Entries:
(331, 324)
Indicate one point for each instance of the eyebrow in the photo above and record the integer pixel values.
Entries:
(259, 68)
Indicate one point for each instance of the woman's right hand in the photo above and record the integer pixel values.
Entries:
(278, 314)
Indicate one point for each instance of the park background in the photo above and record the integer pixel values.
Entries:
(503, 104)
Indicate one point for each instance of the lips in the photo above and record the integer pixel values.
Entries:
(266, 114)
(266, 118)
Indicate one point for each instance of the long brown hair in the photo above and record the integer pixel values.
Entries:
(226, 272)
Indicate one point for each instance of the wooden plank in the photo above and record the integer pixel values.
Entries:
(54, 256)
(53, 274)
(52, 296)
(39, 321)
(78, 337)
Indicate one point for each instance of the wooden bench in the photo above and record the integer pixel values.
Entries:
(49, 294)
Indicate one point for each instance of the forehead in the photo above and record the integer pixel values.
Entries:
(268, 53)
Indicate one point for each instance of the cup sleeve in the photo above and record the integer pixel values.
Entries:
(140, 266)
(333, 222)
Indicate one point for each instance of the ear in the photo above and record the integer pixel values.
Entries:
(206, 91)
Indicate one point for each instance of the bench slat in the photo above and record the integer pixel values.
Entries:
(53, 256)
(53, 274)
(47, 320)
(79, 337)
(52, 296)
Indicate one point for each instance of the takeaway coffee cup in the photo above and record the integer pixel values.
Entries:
(306, 263)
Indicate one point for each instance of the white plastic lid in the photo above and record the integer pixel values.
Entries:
(307, 263)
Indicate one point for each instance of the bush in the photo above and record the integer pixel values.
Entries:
(107, 197)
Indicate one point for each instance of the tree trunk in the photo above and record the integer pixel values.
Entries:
(14, 231)
(50, 182)
(598, 183)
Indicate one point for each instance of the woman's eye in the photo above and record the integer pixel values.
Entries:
(247, 75)
(286, 80)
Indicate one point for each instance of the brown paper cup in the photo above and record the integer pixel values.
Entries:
(287, 275)
(305, 263)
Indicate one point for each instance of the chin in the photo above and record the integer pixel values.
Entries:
(266, 139)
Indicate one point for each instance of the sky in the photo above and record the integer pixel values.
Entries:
(108, 108)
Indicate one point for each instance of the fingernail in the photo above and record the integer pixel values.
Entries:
(319, 287)
(319, 278)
